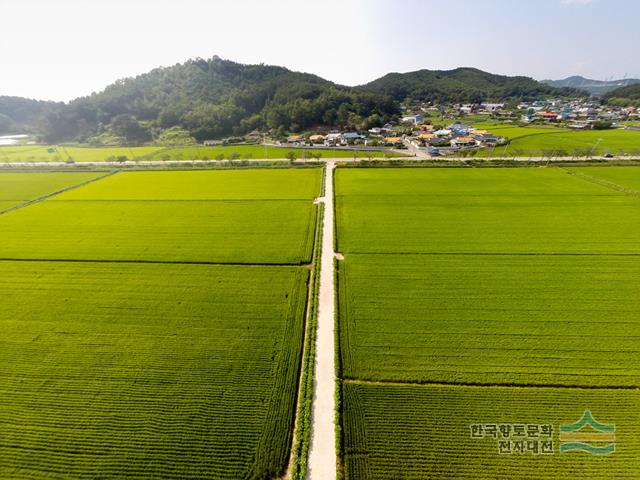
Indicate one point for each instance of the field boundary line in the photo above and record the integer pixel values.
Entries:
(605, 183)
(50, 195)
(299, 455)
(212, 200)
(155, 262)
(356, 381)
(340, 285)
(496, 254)
(473, 195)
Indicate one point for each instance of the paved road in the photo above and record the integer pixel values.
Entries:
(418, 153)
(322, 454)
(205, 163)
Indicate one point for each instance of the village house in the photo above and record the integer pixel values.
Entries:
(426, 136)
(581, 125)
(434, 141)
(586, 112)
(352, 138)
(460, 129)
(462, 142)
(393, 141)
(443, 133)
(254, 135)
(468, 109)
(333, 139)
(549, 116)
(484, 137)
(415, 119)
(491, 107)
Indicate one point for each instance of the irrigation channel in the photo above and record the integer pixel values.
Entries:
(322, 454)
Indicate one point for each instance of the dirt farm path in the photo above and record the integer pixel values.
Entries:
(322, 453)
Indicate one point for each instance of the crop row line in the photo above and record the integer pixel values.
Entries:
(604, 183)
(357, 381)
(58, 192)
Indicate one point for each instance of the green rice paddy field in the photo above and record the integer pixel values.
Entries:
(510, 210)
(198, 216)
(486, 296)
(533, 141)
(18, 188)
(41, 153)
(153, 367)
(253, 151)
(423, 431)
(514, 131)
(512, 319)
(626, 177)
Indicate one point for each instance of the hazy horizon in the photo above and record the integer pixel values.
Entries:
(72, 49)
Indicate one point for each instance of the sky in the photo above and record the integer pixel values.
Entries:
(62, 49)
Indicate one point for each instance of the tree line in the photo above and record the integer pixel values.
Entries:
(210, 99)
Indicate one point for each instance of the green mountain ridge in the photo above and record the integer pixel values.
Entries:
(594, 87)
(211, 99)
(465, 85)
(624, 96)
(214, 98)
(18, 115)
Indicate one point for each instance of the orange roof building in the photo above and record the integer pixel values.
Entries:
(463, 140)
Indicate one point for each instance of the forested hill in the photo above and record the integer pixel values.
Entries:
(595, 87)
(465, 85)
(624, 96)
(215, 98)
(20, 115)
